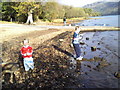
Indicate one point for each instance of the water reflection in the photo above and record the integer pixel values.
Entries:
(98, 67)
(101, 21)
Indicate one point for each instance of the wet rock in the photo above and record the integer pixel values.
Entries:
(87, 38)
(98, 43)
(117, 74)
(102, 64)
(79, 85)
(94, 68)
(90, 70)
(84, 53)
(93, 48)
(89, 66)
(82, 43)
(84, 59)
(99, 48)
(86, 73)
(92, 59)
(98, 59)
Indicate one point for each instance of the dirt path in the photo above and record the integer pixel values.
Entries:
(7, 33)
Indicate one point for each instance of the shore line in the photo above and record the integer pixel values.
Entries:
(91, 28)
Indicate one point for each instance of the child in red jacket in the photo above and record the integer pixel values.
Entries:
(26, 52)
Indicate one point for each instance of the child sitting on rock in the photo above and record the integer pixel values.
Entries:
(26, 52)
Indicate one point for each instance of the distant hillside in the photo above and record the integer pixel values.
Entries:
(105, 8)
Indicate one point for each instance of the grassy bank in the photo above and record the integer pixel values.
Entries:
(70, 20)
(5, 22)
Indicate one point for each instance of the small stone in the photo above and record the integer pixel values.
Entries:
(93, 48)
(79, 85)
(99, 48)
(117, 74)
(98, 43)
(82, 43)
(89, 66)
(94, 68)
(61, 40)
(87, 38)
(86, 73)
(102, 64)
(84, 53)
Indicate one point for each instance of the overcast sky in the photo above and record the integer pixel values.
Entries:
(80, 3)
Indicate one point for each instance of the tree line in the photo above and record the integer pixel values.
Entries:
(18, 11)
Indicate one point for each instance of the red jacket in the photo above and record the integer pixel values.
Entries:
(26, 51)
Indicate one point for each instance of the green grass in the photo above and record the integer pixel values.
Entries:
(6, 22)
